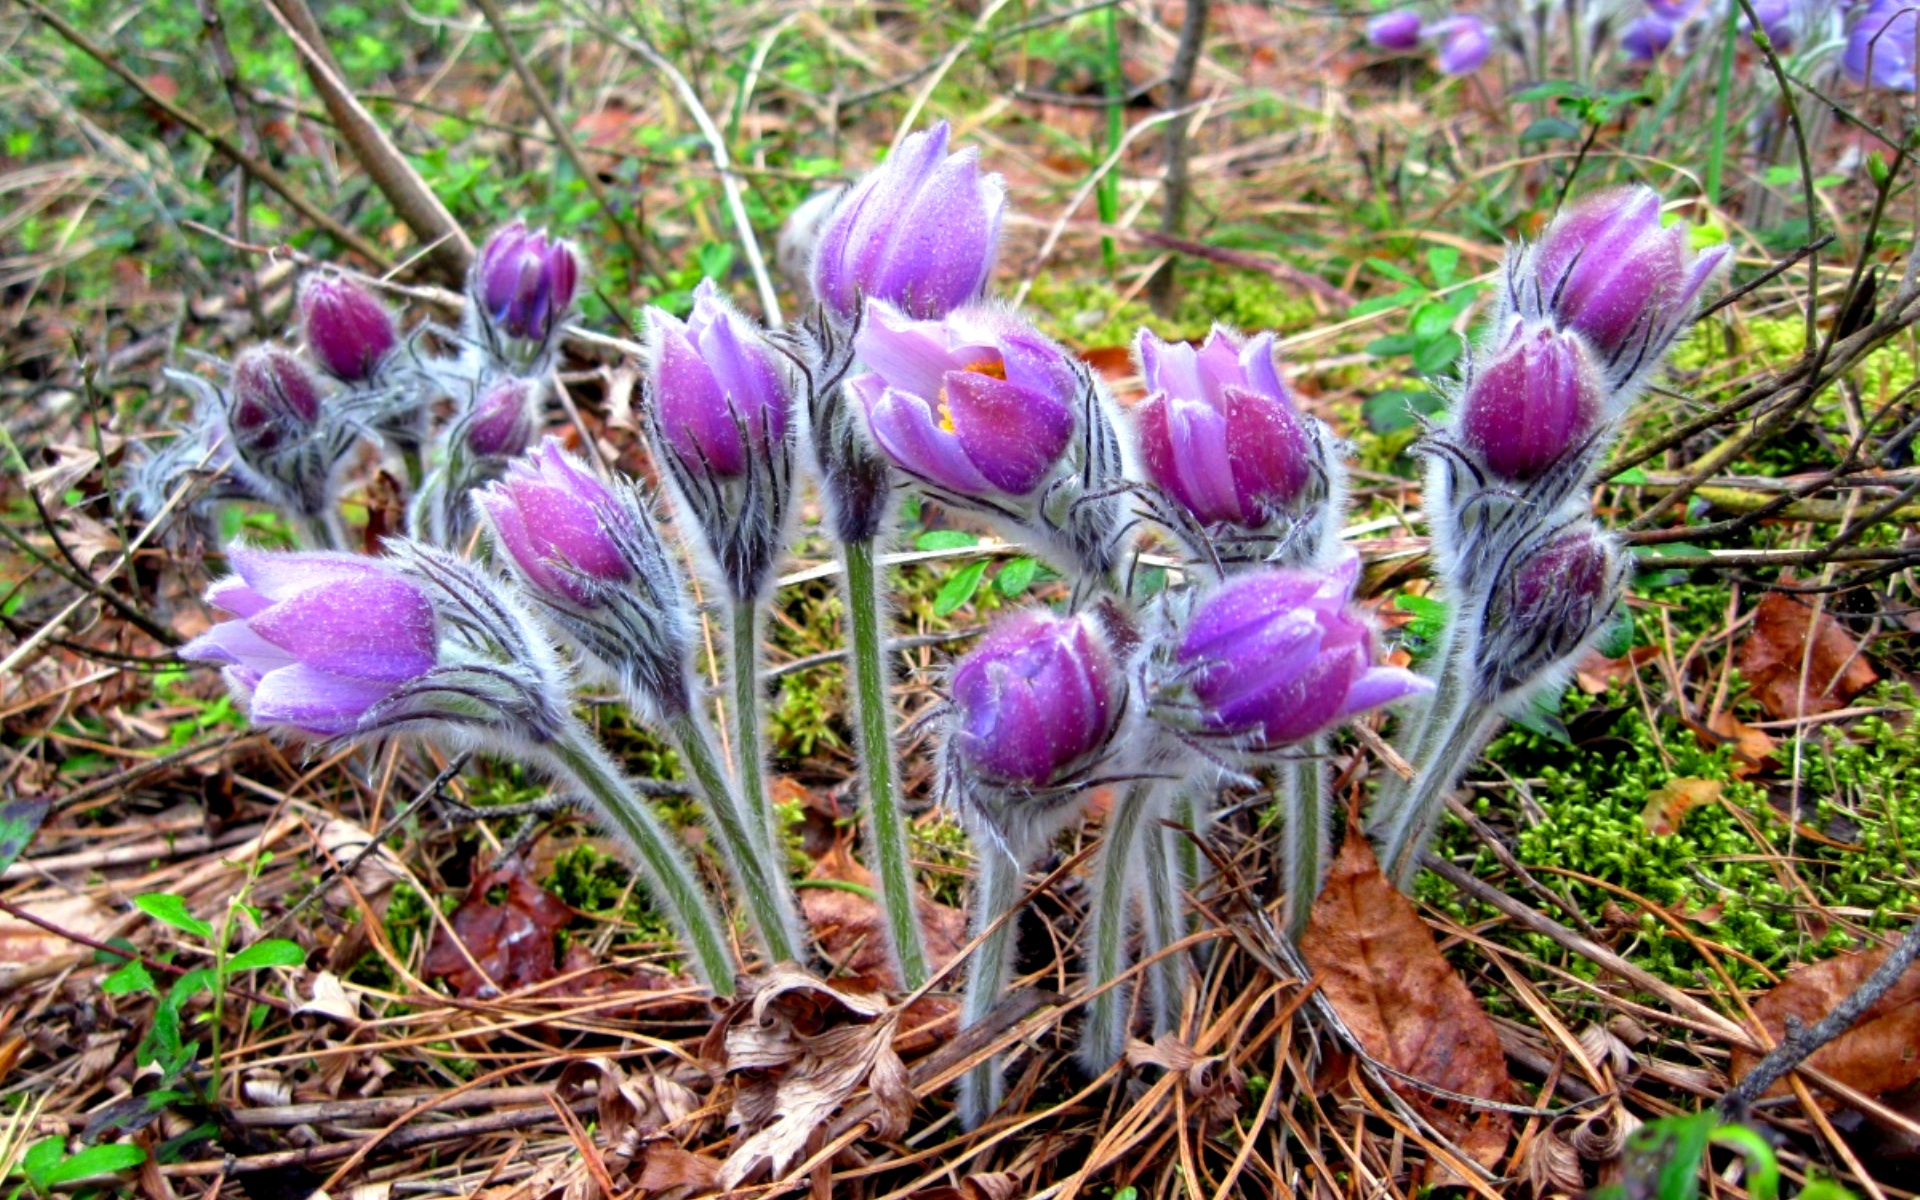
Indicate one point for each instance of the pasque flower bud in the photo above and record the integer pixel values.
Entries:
(1535, 398)
(920, 232)
(720, 397)
(1272, 657)
(980, 404)
(349, 332)
(275, 401)
(1608, 270)
(503, 422)
(1464, 44)
(322, 638)
(1551, 597)
(1035, 701)
(1396, 30)
(558, 523)
(1218, 431)
(524, 282)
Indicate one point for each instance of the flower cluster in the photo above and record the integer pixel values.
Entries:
(1462, 41)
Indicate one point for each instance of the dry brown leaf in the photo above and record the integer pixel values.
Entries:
(670, 1171)
(989, 1185)
(510, 940)
(1211, 1080)
(1880, 1054)
(1376, 962)
(796, 1051)
(1669, 804)
(1597, 673)
(1776, 649)
(851, 930)
(1752, 748)
(23, 943)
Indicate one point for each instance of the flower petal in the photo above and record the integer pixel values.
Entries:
(314, 700)
(374, 628)
(903, 424)
(1013, 436)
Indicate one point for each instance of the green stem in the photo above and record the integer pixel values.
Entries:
(762, 885)
(580, 759)
(748, 737)
(1307, 837)
(1416, 738)
(1166, 890)
(887, 829)
(1103, 1036)
(1402, 840)
(996, 891)
(1717, 149)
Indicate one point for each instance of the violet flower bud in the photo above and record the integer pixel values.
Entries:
(1607, 269)
(524, 282)
(720, 397)
(502, 424)
(1552, 596)
(558, 523)
(980, 405)
(349, 332)
(1881, 49)
(275, 402)
(1464, 44)
(1035, 701)
(1396, 30)
(322, 638)
(920, 232)
(1647, 38)
(1218, 431)
(1779, 20)
(1536, 398)
(1273, 657)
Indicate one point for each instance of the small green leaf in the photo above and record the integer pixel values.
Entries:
(133, 977)
(1549, 129)
(1542, 715)
(274, 952)
(98, 1160)
(1431, 321)
(19, 821)
(1631, 475)
(1016, 576)
(945, 539)
(1442, 262)
(198, 980)
(1376, 304)
(1388, 412)
(172, 910)
(1436, 356)
(1394, 271)
(41, 1159)
(960, 588)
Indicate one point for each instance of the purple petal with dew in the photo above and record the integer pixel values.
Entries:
(1268, 448)
(1257, 366)
(1199, 461)
(911, 356)
(1218, 364)
(694, 415)
(1264, 655)
(380, 628)
(942, 248)
(1705, 267)
(1383, 685)
(277, 574)
(231, 594)
(314, 700)
(896, 183)
(571, 527)
(1243, 602)
(234, 643)
(1013, 436)
(1311, 702)
(1176, 371)
(905, 427)
(739, 364)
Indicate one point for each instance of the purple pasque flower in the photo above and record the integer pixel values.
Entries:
(1218, 430)
(1035, 701)
(559, 524)
(1648, 37)
(524, 282)
(1779, 20)
(503, 422)
(1534, 398)
(920, 232)
(1552, 595)
(275, 401)
(1881, 49)
(1464, 44)
(979, 404)
(322, 638)
(1396, 30)
(1272, 657)
(349, 332)
(719, 394)
(1609, 270)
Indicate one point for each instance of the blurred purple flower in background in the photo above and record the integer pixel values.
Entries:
(1464, 44)
(1880, 48)
(1396, 30)
(1648, 37)
(321, 638)
(504, 422)
(275, 401)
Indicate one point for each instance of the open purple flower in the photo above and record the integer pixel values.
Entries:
(524, 282)
(1273, 657)
(1609, 270)
(1218, 431)
(275, 401)
(504, 421)
(1779, 20)
(557, 522)
(1648, 37)
(349, 332)
(1537, 397)
(1464, 44)
(978, 404)
(920, 232)
(1881, 48)
(1396, 30)
(720, 396)
(321, 638)
(1035, 700)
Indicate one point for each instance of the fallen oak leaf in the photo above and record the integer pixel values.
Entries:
(1752, 748)
(1669, 804)
(1880, 1054)
(1376, 963)
(509, 938)
(1775, 651)
(796, 1051)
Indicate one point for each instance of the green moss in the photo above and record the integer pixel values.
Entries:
(940, 840)
(1088, 312)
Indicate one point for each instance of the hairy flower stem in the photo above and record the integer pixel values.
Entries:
(1307, 804)
(1103, 1036)
(887, 828)
(996, 891)
(578, 758)
(1166, 888)
(755, 872)
(1404, 832)
(749, 738)
(1419, 737)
